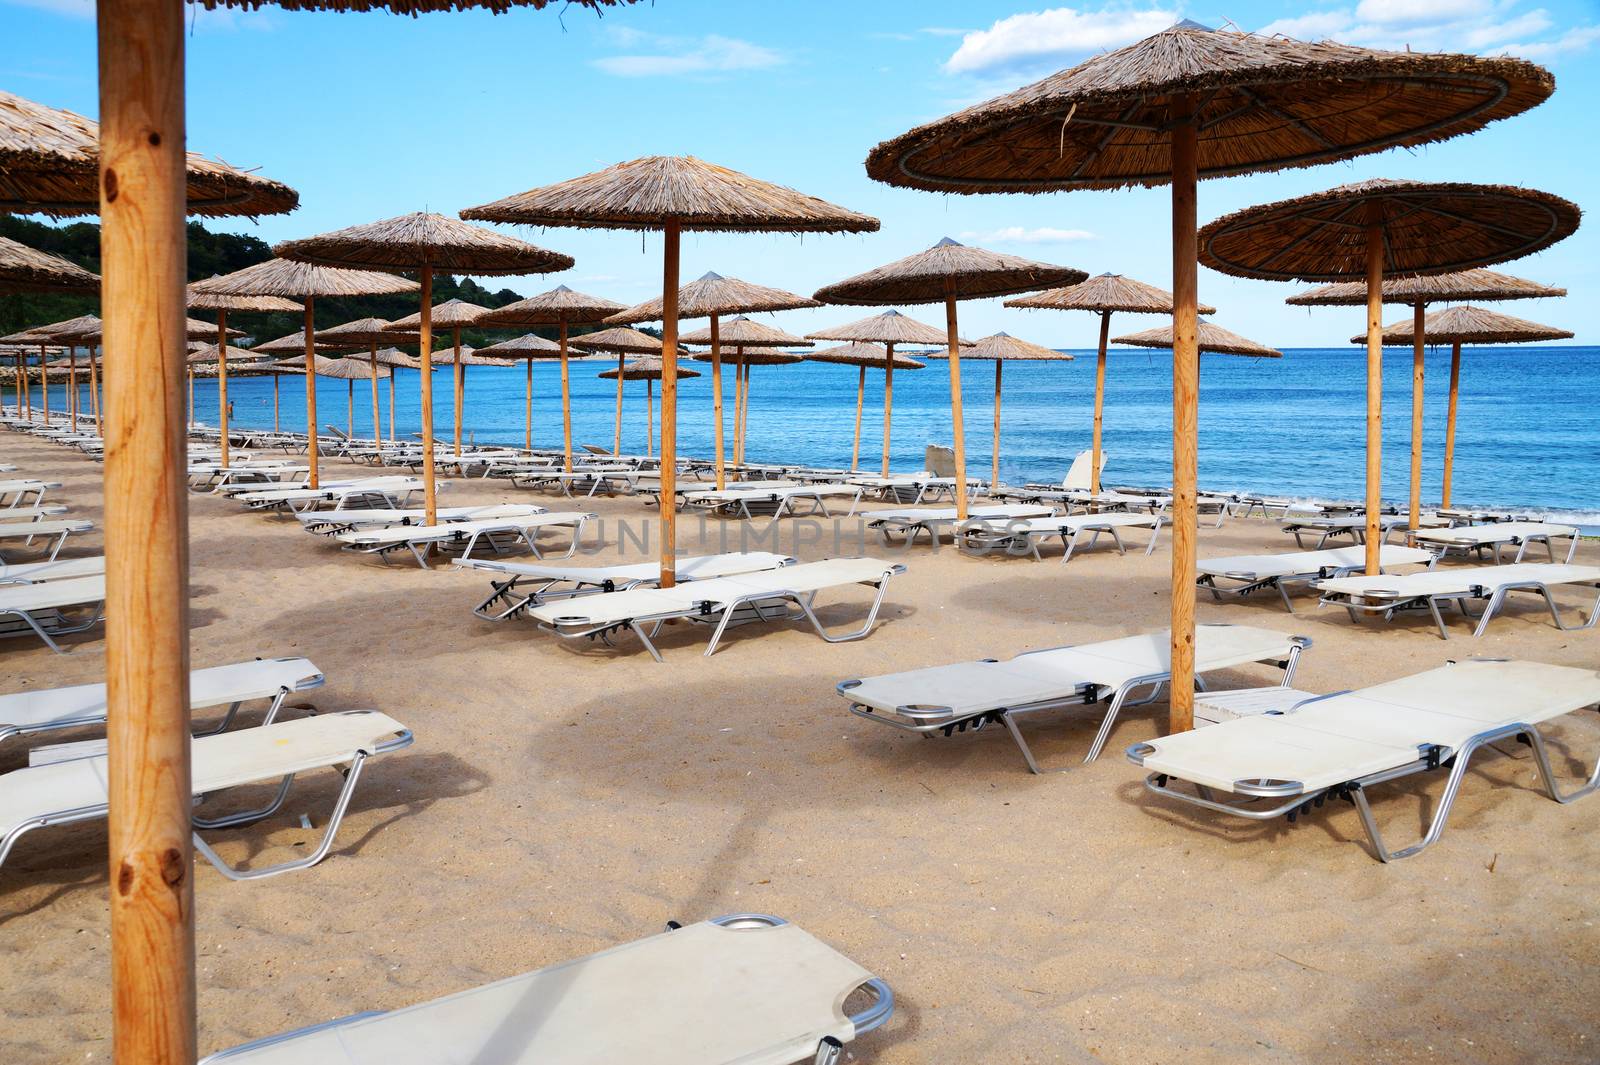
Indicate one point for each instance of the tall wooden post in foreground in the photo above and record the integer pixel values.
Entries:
(957, 427)
(669, 403)
(1418, 337)
(1185, 410)
(142, 251)
(1374, 493)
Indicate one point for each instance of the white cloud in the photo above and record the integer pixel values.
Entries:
(1024, 235)
(1574, 40)
(1055, 38)
(676, 56)
(1484, 26)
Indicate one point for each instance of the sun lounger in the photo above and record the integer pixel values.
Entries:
(1023, 536)
(1244, 575)
(509, 597)
(953, 698)
(387, 492)
(75, 790)
(786, 594)
(55, 530)
(22, 713)
(741, 990)
(60, 569)
(499, 533)
(24, 491)
(909, 522)
(1476, 539)
(1327, 526)
(331, 522)
(52, 608)
(32, 512)
(1391, 594)
(772, 500)
(1337, 747)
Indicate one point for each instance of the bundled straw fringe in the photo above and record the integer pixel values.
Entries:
(560, 304)
(715, 294)
(418, 240)
(1213, 339)
(1477, 284)
(948, 269)
(1105, 292)
(890, 327)
(1469, 325)
(25, 269)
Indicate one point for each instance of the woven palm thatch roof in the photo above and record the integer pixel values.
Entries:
(421, 239)
(50, 164)
(446, 356)
(1469, 325)
(361, 333)
(292, 344)
(1263, 103)
(1476, 284)
(948, 269)
(741, 332)
(620, 340)
(25, 269)
(647, 368)
(1105, 292)
(715, 294)
(408, 7)
(650, 192)
(1428, 228)
(560, 304)
(30, 336)
(352, 369)
(451, 314)
(300, 281)
(753, 357)
(390, 357)
(1213, 339)
(216, 301)
(70, 331)
(890, 327)
(208, 353)
(527, 346)
(861, 354)
(1003, 347)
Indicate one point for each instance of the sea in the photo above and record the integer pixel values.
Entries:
(1528, 434)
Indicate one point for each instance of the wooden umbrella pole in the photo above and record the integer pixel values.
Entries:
(191, 399)
(94, 389)
(649, 417)
(222, 381)
(377, 426)
(142, 256)
(1099, 402)
(430, 499)
(669, 403)
(1185, 411)
(616, 440)
(312, 447)
(861, 397)
(350, 407)
(391, 407)
(527, 408)
(27, 384)
(44, 383)
(716, 401)
(566, 405)
(455, 338)
(72, 387)
(1374, 493)
(888, 399)
(994, 475)
(1450, 423)
(958, 430)
(1419, 338)
(738, 406)
(744, 428)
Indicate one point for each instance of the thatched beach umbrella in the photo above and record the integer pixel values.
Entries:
(1192, 102)
(863, 355)
(560, 307)
(1417, 292)
(222, 305)
(742, 360)
(1001, 348)
(452, 315)
(1372, 228)
(368, 332)
(70, 333)
(425, 243)
(714, 296)
(648, 369)
(306, 282)
(1466, 325)
(1212, 338)
(527, 347)
(739, 333)
(619, 341)
(20, 344)
(25, 269)
(458, 359)
(672, 194)
(349, 370)
(946, 273)
(1103, 294)
(284, 345)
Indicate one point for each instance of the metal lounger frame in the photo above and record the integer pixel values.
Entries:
(1521, 543)
(1496, 599)
(44, 624)
(1249, 583)
(974, 539)
(527, 534)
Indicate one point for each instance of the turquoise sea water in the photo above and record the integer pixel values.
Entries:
(1528, 437)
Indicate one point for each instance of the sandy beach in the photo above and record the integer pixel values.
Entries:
(558, 801)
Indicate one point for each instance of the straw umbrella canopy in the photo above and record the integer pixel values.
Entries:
(648, 369)
(753, 345)
(1213, 340)
(306, 282)
(1001, 348)
(368, 332)
(1369, 229)
(889, 329)
(1103, 294)
(528, 347)
(1193, 102)
(222, 304)
(68, 333)
(349, 370)
(947, 272)
(425, 242)
(452, 315)
(21, 345)
(673, 194)
(1467, 325)
(713, 296)
(1418, 291)
(25, 269)
(562, 308)
(620, 341)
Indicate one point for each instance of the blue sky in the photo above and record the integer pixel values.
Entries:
(374, 115)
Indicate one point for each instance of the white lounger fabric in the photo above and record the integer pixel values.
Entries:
(58, 570)
(1026, 534)
(1308, 563)
(697, 567)
(399, 535)
(37, 608)
(1518, 534)
(326, 521)
(703, 994)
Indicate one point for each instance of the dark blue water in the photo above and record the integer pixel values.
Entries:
(1528, 436)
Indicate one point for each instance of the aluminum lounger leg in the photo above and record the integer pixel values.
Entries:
(638, 630)
(1072, 543)
(340, 806)
(1541, 589)
(1288, 604)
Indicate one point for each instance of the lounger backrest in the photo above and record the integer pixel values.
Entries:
(48, 595)
(1078, 473)
(940, 460)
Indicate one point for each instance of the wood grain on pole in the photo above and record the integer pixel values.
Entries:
(430, 495)
(669, 403)
(1374, 492)
(957, 428)
(861, 397)
(888, 400)
(566, 404)
(1099, 402)
(1419, 337)
(222, 381)
(994, 473)
(1450, 422)
(142, 265)
(716, 401)
(1185, 414)
(312, 447)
